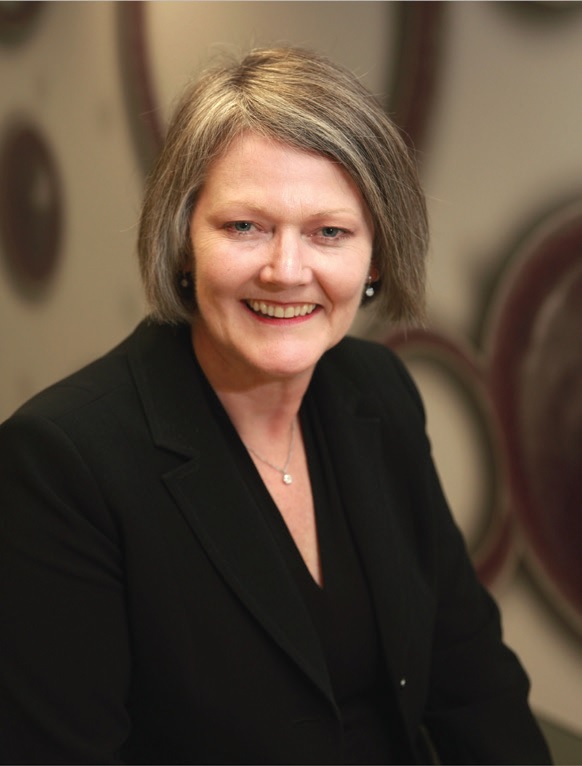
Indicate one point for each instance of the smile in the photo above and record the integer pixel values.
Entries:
(281, 312)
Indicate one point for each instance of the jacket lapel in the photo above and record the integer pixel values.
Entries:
(369, 485)
(222, 514)
(367, 473)
(212, 495)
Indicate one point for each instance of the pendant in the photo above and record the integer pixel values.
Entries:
(287, 478)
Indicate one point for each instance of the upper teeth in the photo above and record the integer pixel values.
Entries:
(281, 312)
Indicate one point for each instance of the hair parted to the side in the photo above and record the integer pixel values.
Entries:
(302, 99)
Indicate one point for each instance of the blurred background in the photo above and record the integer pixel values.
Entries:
(489, 94)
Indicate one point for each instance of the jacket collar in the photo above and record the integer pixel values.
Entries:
(214, 499)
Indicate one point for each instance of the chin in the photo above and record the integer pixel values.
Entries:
(289, 368)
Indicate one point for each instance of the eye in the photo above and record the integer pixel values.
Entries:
(331, 235)
(241, 227)
(331, 232)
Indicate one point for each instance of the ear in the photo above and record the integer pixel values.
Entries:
(374, 273)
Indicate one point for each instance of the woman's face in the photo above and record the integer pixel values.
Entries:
(282, 244)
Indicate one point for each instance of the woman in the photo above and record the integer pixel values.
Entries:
(225, 542)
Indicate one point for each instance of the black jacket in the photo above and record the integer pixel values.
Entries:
(146, 615)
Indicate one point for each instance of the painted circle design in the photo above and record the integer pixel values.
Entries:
(492, 544)
(536, 382)
(527, 381)
(30, 207)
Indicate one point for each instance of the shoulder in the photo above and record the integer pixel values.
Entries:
(111, 405)
(374, 369)
(100, 398)
(108, 383)
(358, 357)
(48, 438)
(102, 378)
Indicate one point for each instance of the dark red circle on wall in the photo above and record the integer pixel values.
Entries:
(30, 207)
(536, 383)
(493, 549)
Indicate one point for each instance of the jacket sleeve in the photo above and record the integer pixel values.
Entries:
(64, 646)
(477, 709)
(477, 706)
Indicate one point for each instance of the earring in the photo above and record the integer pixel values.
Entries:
(186, 280)
(369, 291)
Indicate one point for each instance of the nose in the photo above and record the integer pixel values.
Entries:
(286, 264)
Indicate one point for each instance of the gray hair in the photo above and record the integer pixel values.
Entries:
(302, 99)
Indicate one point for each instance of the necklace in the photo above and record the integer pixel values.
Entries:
(287, 478)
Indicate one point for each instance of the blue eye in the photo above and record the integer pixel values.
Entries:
(331, 232)
(241, 226)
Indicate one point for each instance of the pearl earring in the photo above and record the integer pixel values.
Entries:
(369, 291)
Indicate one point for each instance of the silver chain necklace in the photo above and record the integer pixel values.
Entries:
(287, 478)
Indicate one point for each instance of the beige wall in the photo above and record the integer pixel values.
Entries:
(503, 145)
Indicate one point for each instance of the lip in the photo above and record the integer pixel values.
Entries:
(269, 311)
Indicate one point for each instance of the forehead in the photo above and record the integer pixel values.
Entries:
(266, 170)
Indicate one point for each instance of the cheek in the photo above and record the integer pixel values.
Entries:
(348, 285)
(207, 270)
(217, 284)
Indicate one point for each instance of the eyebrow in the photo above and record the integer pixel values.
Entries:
(264, 211)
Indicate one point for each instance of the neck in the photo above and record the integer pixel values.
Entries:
(260, 407)
(260, 415)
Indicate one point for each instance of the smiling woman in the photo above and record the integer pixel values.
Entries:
(298, 256)
(225, 540)
(290, 97)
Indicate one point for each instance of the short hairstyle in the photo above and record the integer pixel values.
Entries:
(302, 99)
